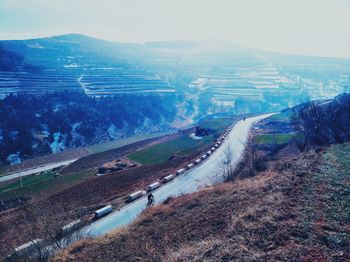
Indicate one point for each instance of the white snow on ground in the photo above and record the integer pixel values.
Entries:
(35, 45)
(73, 65)
(14, 159)
(113, 132)
(193, 136)
(58, 144)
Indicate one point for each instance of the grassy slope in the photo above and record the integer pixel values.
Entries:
(75, 173)
(278, 139)
(216, 123)
(296, 210)
(160, 153)
(122, 142)
(36, 184)
(76, 153)
(83, 168)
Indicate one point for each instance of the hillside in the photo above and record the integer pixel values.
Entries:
(193, 79)
(226, 74)
(31, 126)
(297, 209)
(75, 192)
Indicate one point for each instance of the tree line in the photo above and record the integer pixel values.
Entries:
(28, 123)
(322, 123)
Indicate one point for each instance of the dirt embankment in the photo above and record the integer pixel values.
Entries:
(296, 210)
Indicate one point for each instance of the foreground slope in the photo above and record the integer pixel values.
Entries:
(297, 209)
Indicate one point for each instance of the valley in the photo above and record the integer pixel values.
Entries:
(185, 81)
(78, 185)
(84, 123)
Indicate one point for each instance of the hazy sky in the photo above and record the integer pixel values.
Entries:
(315, 27)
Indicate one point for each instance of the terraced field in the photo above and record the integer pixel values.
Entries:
(249, 81)
(230, 77)
(119, 81)
(37, 83)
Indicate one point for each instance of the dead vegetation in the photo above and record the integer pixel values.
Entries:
(286, 213)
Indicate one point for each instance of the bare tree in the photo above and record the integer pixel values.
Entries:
(320, 124)
(48, 222)
(251, 157)
(299, 118)
(227, 166)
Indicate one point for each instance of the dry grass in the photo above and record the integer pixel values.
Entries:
(283, 214)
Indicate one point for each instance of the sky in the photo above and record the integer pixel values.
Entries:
(310, 27)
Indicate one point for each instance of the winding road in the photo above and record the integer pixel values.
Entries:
(205, 174)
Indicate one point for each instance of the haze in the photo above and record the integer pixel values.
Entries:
(312, 27)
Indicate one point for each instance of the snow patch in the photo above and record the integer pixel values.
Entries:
(73, 65)
(58, 144)
(193, 136)
(14, 159)
(113, 132)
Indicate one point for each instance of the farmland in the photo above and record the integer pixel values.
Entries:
(76, 153)
(161, 153)
(117, 81)
(78, 186)
(217, 124)
(76, 172)
(226, 77)
(122, 142)
(36, 184)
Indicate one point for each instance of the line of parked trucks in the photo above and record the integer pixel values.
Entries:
(109, 209)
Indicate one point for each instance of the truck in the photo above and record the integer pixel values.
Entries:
(28, 247)
(168, 178)
(189, 166)
(135, 195)
(153, 186)
(103, 211)
(180, 171)
(70, 227)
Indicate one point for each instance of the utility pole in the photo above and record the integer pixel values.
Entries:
(20, 174)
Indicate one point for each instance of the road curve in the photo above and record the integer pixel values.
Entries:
(203, 175)
(35, 170)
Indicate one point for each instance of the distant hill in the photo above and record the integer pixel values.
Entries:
(231, 77)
